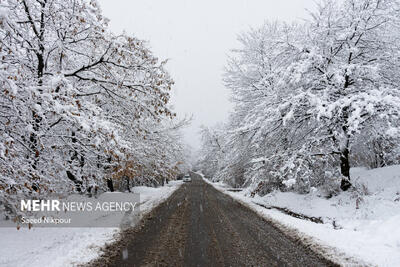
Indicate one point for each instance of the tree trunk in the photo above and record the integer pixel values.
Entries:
(36, 118)
(110, 185)
(77, 183)
(128, 186)
(345, 152)
(75, 156)
(345, 169)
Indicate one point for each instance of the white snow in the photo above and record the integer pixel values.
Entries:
(289, 182)
(68, 246)
(367, 220)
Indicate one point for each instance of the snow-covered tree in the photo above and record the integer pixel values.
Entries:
(345, 75)
(307, 94)
(212, 150)
(77, 101)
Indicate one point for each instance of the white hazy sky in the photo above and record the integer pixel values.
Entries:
(196, 36)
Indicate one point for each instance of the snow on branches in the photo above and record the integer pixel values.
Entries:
(78, 102)
(306, 94)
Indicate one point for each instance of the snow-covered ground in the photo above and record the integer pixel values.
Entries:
(361, 226)
(68, 246)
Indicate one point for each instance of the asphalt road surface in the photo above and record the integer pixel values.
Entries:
(200, 226)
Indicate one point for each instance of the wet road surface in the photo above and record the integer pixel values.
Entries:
(200, 226)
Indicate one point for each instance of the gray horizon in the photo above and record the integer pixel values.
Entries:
(196, 38)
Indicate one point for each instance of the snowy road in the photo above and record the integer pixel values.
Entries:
(200, 226)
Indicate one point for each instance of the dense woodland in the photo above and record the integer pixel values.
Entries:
(312, 99)
(81, 109)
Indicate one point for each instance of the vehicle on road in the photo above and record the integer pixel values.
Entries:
(187, 178)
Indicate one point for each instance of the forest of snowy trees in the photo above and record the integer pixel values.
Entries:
(81, 108)
(311, 100)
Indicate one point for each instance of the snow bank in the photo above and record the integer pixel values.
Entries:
(68, 246)
(363, 224)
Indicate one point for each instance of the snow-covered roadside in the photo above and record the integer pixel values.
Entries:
(367, 223)
(68, 246)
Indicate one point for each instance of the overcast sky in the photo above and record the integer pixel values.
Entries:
(196, 35)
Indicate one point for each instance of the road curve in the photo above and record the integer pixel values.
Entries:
(200, 226)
